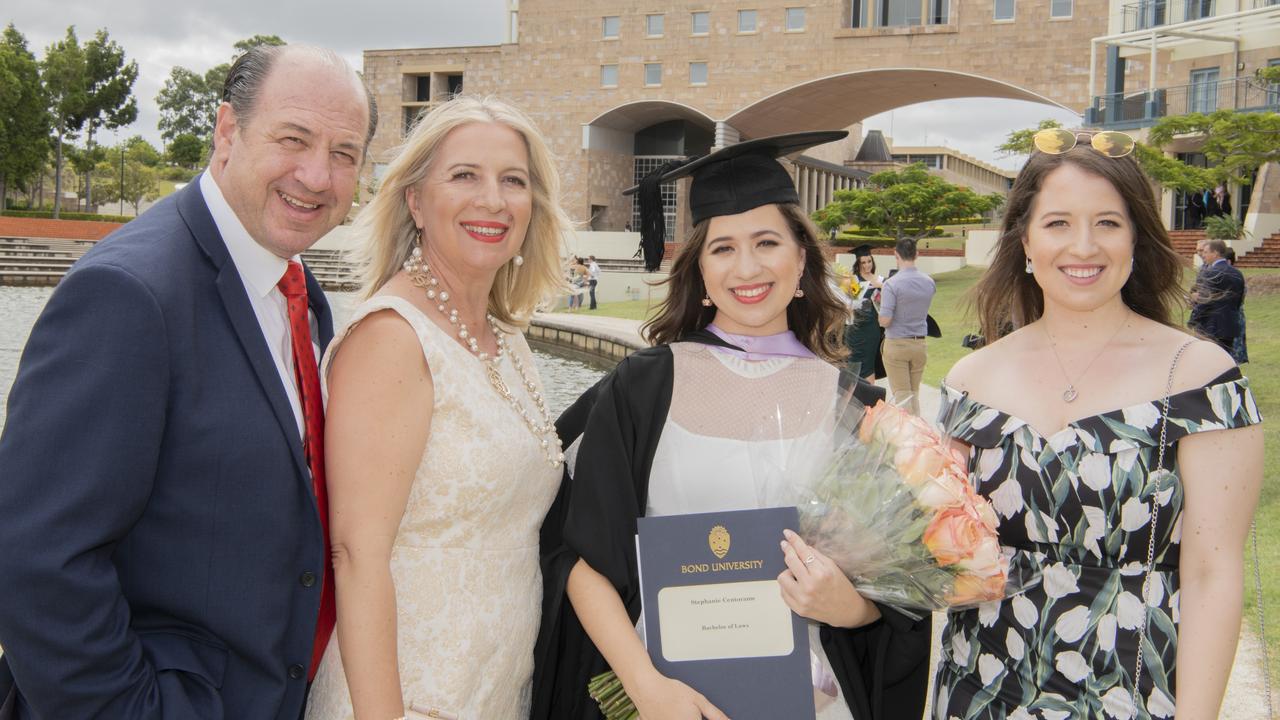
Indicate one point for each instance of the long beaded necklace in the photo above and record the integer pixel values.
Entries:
(543, 429)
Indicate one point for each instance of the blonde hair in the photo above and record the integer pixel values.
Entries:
(388, 233)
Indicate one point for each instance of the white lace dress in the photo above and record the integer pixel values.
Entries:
(465, 562)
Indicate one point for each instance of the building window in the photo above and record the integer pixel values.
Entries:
(746, 21)
(609, 27)
(701, 23)
(1203, 92)
(1199, 9)
(608, 76)
(795, 19)
(1060, 8)
(697, 73)
(939, 12)
(858, 13)
(896, 13)
(653, 25)
(653, 74)
(1004, 9)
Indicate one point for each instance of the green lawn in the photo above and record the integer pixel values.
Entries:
(629, 309)
(1263, 315)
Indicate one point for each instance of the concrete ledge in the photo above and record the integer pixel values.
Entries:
(596, 339)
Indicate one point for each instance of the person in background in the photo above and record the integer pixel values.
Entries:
(593, 279)
(1239, 348)
(1218, 296)
(904, 312)
(864, 335)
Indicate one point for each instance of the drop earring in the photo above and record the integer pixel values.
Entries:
(1029, 270)
(706, 300)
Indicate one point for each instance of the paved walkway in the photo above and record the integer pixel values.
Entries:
(1245, 698)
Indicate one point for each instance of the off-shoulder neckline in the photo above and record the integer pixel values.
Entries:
(1229, 375)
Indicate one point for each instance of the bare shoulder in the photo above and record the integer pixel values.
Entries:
(381, 348)
(1200, 362)
(973, 370)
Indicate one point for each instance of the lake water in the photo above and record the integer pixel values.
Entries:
(564, 379)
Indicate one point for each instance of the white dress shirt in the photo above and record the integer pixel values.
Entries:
(260, 270)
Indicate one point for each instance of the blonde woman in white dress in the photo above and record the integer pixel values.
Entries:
(442, 458)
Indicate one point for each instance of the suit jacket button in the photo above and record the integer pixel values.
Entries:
(308, 579)
(296, 671)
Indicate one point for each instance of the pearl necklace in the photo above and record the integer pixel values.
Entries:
(543, 429)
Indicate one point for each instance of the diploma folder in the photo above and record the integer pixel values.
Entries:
(713, 612)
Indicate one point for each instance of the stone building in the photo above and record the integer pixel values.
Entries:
(620, 86)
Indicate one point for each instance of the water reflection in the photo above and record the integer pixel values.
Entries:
(563, 378)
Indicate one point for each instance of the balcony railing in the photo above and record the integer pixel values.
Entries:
(1147, 14)
(1147, 106)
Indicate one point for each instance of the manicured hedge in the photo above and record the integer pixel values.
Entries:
(48, 215)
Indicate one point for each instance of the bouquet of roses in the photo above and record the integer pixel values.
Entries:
(893, 507)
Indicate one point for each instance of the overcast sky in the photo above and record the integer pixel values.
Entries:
(162, 33)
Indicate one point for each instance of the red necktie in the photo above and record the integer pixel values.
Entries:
(294, 287)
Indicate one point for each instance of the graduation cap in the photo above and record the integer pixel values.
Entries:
(729, 181)
(863, 250)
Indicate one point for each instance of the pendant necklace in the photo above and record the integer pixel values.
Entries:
(543, 429)
(1070, 394)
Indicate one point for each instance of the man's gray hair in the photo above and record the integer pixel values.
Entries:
(250, 70)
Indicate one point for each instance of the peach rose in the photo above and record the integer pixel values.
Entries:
(917, 463)
(942, 490)
(886, 423)
(956, 534)
(972, 589)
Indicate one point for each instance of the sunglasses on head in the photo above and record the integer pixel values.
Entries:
(1055, 141)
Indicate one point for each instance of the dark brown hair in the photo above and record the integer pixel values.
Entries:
(814, 318)
(857, 266)
(1007, 297)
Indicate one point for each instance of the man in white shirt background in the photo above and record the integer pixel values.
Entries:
(593, 279)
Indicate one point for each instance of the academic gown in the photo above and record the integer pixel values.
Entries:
(882, 668)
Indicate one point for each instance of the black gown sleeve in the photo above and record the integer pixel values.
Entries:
(593, 518)
(882, 668)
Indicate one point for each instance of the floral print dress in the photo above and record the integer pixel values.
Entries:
(1076, 506)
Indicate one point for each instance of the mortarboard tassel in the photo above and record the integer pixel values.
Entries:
(653, 223)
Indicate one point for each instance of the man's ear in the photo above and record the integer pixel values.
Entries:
(225, 127)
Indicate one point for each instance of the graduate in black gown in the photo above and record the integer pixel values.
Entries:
(734, 300)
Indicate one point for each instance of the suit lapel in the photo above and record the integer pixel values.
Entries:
(235, 301)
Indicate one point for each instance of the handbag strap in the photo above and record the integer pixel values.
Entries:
(1155, 509)
(1262, 625)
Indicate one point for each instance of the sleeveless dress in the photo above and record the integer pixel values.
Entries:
(1076, 506)
(713, 455)
(465, 561)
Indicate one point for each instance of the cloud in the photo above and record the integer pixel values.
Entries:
(160, 34)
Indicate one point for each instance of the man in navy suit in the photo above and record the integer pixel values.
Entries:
(1216, 298)
(161, 524)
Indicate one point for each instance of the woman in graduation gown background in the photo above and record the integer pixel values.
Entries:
(749, 327)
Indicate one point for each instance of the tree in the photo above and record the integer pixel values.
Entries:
(62, 72)
(188, 105)
(1019, 142)
(186, 150)
(906, 203)
(25, 123)
(108, 89)
(1236, 144)
(140, 179)
(244, 46)
(189, 101)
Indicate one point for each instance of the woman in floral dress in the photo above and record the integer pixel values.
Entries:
(1063, 418)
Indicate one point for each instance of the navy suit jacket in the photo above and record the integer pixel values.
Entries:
(1221, 289)
(160, 547)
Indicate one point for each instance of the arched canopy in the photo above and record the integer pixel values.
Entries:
(841, 100)
(633, 116)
